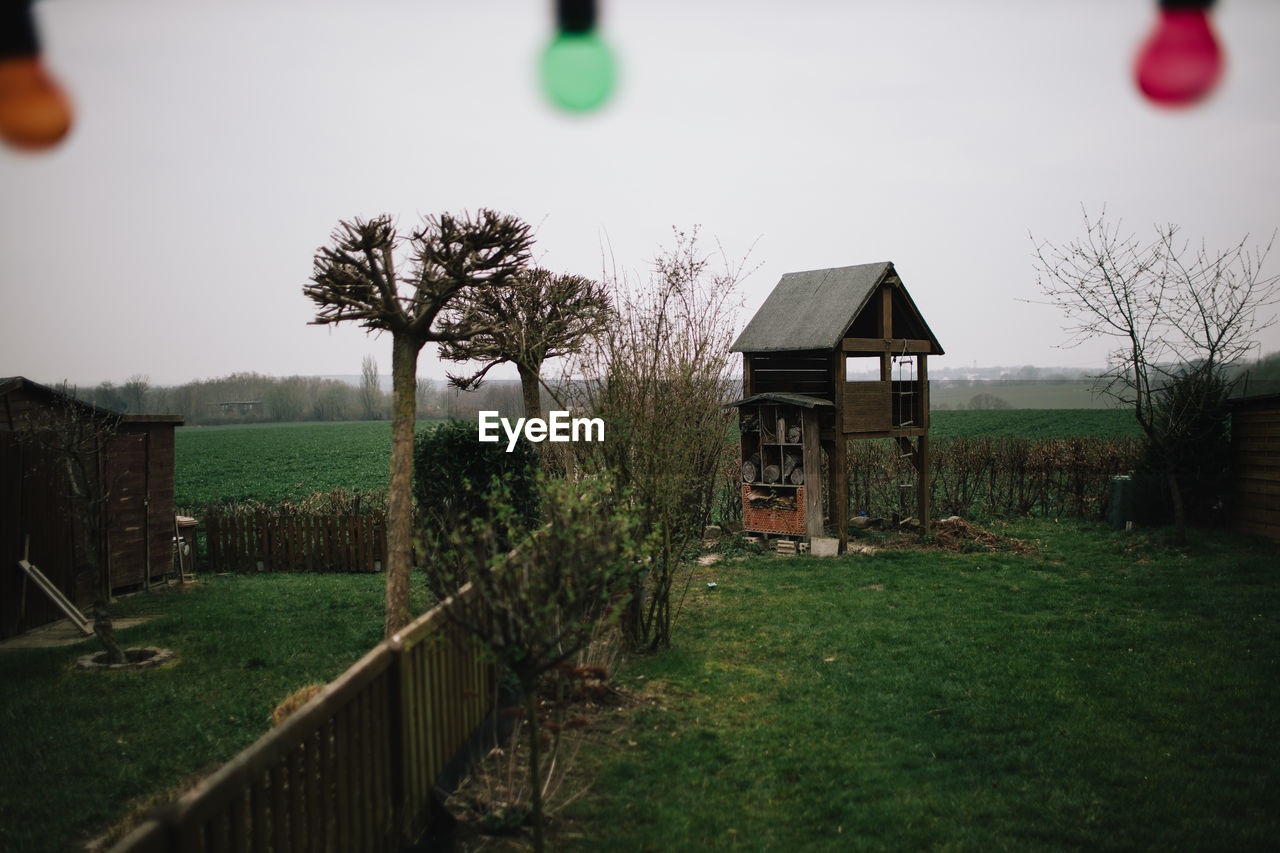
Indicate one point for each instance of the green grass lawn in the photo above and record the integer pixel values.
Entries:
(79, 749)
(1102, 693)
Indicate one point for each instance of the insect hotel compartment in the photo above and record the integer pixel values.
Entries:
(773, 474)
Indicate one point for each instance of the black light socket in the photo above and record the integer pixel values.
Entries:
(576, 16)
(17, 29)
(1192, 5)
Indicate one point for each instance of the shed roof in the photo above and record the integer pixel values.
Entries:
(812, 310)
(807, 401)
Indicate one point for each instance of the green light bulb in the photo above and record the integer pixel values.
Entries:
(578, 71)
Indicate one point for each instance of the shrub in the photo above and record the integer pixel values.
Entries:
(658, 377)
(453, 471)
(986, 476)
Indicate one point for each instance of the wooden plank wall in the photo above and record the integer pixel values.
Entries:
(867, 407)
(800, 372)
(160, 508)
(126, 483)
(38, 513)
(137, 471)
(1255, 452)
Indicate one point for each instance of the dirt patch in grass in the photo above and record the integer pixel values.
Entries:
(953, 535)
(491, 806)
(957, 536)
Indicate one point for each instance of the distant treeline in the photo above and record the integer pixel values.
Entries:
(254, 398)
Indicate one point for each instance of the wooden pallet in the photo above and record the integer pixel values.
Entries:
(64, 604)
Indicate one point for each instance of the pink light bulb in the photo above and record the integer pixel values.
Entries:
(1180, 62)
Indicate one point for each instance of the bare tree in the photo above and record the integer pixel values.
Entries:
(542, 315)
(355, 278)
(135, 392)
(370, 388)
(1179, 314)
(428, 398)
(658, 377)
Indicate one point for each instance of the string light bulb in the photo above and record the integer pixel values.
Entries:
(578, 68)
(1181, 62)
(34, 112)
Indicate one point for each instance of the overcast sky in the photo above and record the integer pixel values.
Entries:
(218, 142)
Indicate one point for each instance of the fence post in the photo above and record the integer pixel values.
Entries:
(396, 737)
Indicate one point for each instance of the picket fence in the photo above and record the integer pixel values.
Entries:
(279, 541)
(356, 767)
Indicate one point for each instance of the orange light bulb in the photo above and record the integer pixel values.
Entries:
(34, 112)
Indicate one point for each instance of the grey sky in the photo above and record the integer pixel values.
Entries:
(218, 142)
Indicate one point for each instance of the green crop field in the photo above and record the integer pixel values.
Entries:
(282, 462)
(1034, 423)
(950, 394)
(278, 462)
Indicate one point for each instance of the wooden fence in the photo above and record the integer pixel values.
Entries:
(278, 541)
(355, 768)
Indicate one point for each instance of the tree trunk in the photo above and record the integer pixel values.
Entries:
(532, 393)
(102, 629)
(535, 780)
(1179, 511)
(404, 382)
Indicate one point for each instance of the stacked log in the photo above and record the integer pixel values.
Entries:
(790, 461)
(796, 477)
(772, 474)
(751, 469)
(793, 435)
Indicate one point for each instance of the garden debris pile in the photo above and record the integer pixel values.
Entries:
(956, 534)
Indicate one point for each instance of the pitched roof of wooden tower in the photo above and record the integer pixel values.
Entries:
(814, 309)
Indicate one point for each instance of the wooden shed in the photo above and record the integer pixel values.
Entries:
(811, 330)
(1255, 464)
(132, 470)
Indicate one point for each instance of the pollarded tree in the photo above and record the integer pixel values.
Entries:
(1183, 317)
(542, 315)
(356, 278)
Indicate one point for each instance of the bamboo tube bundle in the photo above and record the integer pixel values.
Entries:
(751, 468)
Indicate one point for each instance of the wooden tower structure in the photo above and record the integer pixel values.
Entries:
(796, 357)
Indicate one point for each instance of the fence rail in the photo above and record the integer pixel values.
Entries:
(278, 541)
(355, 768)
